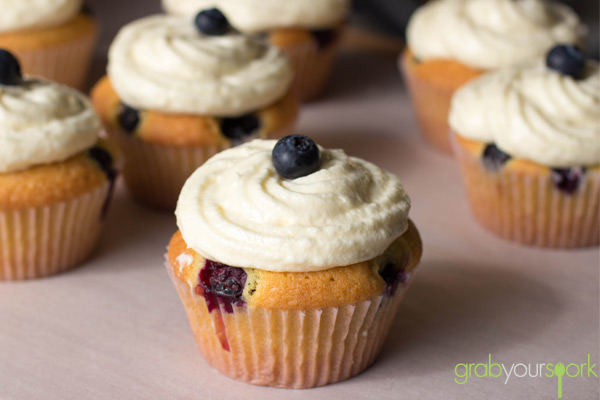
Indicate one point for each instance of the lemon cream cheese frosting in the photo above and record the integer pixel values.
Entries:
(237, 210)
(36, 14)
(164, 63)
(490, 34)
(533, 113)
(263, 15)
(43, 122)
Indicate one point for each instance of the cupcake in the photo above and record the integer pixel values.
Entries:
(291, 261)
(53, 39)
(177, 92)
(453, 41)
(308, 32)
(55, 176)
(528, 142)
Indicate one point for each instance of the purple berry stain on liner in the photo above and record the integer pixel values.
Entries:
(105, 161)
(223, 284)
(392, 275)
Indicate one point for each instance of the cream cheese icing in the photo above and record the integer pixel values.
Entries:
(43, 122)
(237, 210)
(36, 14)
(264, 15)
(490, 34)
(533, 113)
(163, 63)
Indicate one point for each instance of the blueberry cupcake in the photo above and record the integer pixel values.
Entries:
(177, 92)
(453, 41)
(53, 39)
(55, 176)
(291, 261)
(308, 32)
(528, 142)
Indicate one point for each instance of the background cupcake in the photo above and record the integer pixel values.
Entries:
(291, 261)
(177, 92)
(53, 39)
(308, 32)
(55, 178)
(528, 142)
(453, 41)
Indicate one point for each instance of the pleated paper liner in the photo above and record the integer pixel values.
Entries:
(36, 242)
(526, 207)
(155, 173)
(67, 62)
(290, 348)
(431, 103)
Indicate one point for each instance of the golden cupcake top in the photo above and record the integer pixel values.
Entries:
(36, 14)
(489, 34)
(195, 65)
(290, 206)
(40, 122)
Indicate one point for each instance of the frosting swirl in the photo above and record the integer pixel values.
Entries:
(491, 34)
(264, 15)
(533, 113)
(43, 122)
(237, 210)
(36, 14)
(163, 63)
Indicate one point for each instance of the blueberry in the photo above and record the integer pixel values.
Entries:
(129, 118)
(567, 179)
(10, 69)
(494, 158)
(106, 163)
(295, 155)
(566, 59)
(239, 128)
(324, 37)
(392, 275)
(221, 282)
(211, 22)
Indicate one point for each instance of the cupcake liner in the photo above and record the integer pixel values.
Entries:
(312, 66)
(431, 104)
(155, 173)
(290, 348)
(67, 63)
(41, 241)
(523, 205)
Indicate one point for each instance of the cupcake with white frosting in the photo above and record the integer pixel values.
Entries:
(528, 141)
(450, 42)
(178, 90)
(54, 39)
(55, 176)
(291, 261)
(307, 31)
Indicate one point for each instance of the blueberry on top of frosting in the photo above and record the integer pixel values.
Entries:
(295, 156)
(10, 69)
(566, 59)
(212, 22)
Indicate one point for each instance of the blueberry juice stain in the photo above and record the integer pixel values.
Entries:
(220, 283)
(106, 163)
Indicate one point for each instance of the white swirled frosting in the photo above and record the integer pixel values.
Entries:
(43, 122)
(163, 63)
(237, 210)
(533, 113)
(263, 15)
(491, 34)
(36, 14)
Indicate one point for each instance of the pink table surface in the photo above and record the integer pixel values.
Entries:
(115, 329)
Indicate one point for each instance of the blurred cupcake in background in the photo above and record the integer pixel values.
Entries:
(180, 89)
(56, 177)
(453, 41)
(308, 32)
(528, 142)
(53, 39)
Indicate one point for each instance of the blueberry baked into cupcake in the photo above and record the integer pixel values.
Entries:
(54, 39)
(291, 261)
(453, 41)
(308, 32)
(180, 90)
(55, 175)
(528, 143)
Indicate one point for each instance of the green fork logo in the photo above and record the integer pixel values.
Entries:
(559, 371)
